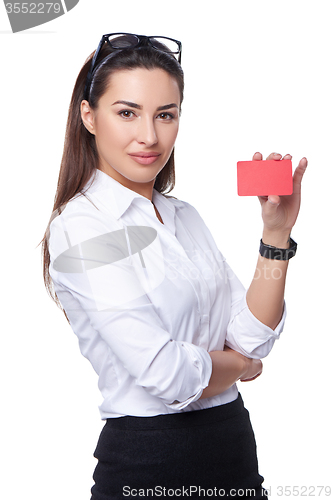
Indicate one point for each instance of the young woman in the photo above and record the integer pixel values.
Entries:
(158, 312)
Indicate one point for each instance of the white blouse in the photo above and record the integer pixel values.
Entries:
(148, 300)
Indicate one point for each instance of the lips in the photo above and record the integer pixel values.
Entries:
(145, 158)
(145, 155)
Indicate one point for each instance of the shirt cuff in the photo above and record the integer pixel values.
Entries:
(250, 336)
(203, 362)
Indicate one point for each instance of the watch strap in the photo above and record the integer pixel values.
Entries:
(270, 252)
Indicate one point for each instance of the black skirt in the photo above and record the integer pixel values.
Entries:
(197, 454)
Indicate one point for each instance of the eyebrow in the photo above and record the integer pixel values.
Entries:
(137, 106)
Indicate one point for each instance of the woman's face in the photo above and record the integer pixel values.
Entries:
(135, 126)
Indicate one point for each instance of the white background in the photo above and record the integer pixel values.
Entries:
(258, 78)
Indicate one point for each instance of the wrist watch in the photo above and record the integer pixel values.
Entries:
(270, 252)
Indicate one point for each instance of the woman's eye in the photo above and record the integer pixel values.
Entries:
(166, 116)
(126, 113)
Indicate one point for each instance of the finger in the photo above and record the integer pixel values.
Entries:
(274, 200)
(298, 175)
(274, 156)
(257, 156)
(287, 157)
(250, 379)
(271, 205)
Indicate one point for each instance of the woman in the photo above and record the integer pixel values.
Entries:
(158, 312)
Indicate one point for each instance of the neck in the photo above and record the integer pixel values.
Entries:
(143, 188)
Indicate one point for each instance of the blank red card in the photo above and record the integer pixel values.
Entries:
(264, 177)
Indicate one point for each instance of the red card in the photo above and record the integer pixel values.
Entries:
(264, 177)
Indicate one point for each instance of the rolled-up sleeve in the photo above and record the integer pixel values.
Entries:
(176, 372)
(245, 333)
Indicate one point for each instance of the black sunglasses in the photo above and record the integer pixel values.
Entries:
(121, 41)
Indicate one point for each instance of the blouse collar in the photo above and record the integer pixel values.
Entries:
(117, 198)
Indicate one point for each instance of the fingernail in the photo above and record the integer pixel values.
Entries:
(272, 202)
(276, 154)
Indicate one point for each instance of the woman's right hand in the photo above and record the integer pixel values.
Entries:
(252, 367)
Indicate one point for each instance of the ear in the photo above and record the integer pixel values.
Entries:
(87, 116)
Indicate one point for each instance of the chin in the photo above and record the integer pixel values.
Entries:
(139, 179)
(143, 175)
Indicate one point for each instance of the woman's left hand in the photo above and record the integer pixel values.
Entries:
(279, 213)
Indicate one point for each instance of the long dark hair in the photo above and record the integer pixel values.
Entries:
(80, 158)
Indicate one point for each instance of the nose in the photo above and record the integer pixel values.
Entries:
(147, 132)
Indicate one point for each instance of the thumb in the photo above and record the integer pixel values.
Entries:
(274, 200)
(270, 207)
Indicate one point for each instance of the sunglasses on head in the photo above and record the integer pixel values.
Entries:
(121, 41)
